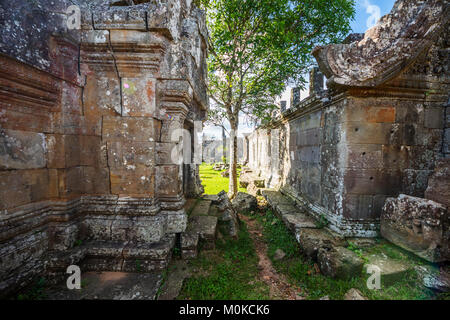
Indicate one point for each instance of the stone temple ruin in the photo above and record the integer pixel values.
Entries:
(381, 129)
(87, 122)
(90, 116)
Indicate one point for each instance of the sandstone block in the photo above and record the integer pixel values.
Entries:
(133, 182)
(229, 215)
(22, 150)
(391, 270)
(56, 157)
(365, 156)
(244, 202)
(340, 263)
(312, 240)
(354, 294)
(168, 181)
(130, 129)
(417, 225)
(439, 183)
(102, 95)
(71, 98)
(130, 155)
(139, 97)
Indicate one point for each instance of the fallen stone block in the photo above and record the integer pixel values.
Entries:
(244, 202)
(279, 255)
(312, 240)
(229, 215)
(205, 227)
(418, 225)
(339, 263)
(434, 278)
(354, 294)
(211, 197)
(391, 270)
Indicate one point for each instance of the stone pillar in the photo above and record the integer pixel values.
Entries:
(295, 96)
(315, 81)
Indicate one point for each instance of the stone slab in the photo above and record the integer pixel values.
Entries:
(110, 286)
(339, 263)
(171, 288)
(391, 270)
(201, 208)
(312, 240)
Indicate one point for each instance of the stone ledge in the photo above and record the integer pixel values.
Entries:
(113, 256)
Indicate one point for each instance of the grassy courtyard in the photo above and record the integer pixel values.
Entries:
(231, 271)
(213, 182)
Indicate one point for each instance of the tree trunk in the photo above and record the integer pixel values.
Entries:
(233, 188)
(224, 146)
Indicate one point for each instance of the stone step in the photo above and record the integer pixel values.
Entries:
(114, 256)
(293, 217)
(200, 227)
(110, 286)
(201, 208)
(178, 271)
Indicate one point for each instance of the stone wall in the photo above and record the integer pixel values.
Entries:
(88, 122)
(213, 150)
(376, 132)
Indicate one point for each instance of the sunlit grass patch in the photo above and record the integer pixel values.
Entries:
(213, 182)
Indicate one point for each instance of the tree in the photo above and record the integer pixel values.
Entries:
(257, 47)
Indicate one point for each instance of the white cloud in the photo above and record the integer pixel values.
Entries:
(374, 11)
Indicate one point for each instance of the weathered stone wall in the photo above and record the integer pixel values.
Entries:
(213, 150)
(377, 132)
(89, 119)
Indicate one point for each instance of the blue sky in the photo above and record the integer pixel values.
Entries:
(367, 11)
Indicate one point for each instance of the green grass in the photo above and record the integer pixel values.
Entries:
(213, 182)
(228, 273)
(301, 272)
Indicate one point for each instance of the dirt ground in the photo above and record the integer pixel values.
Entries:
(279, 287)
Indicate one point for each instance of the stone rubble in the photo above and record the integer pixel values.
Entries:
(244, 202)
(418, 225)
